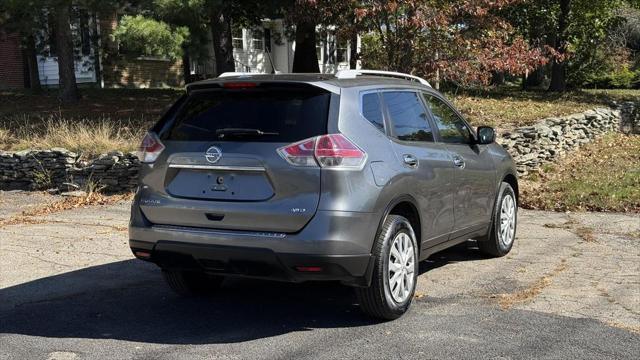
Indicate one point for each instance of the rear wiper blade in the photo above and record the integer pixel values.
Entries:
(230, 132)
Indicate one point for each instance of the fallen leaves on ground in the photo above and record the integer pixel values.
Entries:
(601, 176)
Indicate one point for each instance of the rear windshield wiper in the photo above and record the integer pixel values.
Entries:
(240, 132)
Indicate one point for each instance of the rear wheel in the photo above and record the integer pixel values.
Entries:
(395, 271)
(500, 239)
(190, 283)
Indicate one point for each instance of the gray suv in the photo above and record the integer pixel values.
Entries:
(353, 177)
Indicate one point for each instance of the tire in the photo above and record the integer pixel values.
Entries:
(495, 243)
(188, 284)
(379, 299)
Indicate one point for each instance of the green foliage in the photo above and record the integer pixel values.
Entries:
(372, 52)
(620, 77)
(140, 35)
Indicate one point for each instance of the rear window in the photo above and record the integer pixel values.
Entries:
(260, 114)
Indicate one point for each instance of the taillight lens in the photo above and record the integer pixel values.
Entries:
(300, 153)
(150, 148)
(333, 151)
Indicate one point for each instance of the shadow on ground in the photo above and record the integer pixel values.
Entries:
(128, 300)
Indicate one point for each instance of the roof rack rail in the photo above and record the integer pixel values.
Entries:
(352, 74)
(233, 73)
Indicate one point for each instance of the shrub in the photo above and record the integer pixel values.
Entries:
(148, 37)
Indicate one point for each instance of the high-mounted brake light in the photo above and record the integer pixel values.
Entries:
(333, 151)
(238, 85)
(150, 148)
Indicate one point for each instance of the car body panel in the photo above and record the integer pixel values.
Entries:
(287, 212)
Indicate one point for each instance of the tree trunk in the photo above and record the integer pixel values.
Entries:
(32, 63)
(222, 44)
(535, 78)
(353, 53)
(497, 78)
(305, 59)
(97, 51)
(186, 66)
(559, 66)
(66, 61)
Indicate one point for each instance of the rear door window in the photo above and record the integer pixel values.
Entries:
(261, 114)
(372, 110)
(408, 116)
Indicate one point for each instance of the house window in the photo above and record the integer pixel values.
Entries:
(237, 40)
(341, 50)
(257, 39)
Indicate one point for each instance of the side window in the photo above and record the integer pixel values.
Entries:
(372, 110)
(451, 127)
(408, 116)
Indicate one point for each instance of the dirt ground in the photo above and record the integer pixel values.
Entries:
(70, 288)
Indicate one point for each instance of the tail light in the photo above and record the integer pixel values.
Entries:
(150, 148)
(333, 151)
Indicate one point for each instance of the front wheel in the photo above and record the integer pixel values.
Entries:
(500, 239)
(395, 271)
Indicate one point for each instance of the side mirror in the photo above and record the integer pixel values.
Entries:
(486, 135)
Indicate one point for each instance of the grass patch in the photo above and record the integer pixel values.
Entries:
(601, 176)
(103, 120)
(86, 137)
(508, 108)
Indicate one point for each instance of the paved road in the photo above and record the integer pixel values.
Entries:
(69, 289)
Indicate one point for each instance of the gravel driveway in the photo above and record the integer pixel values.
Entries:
(70, 289)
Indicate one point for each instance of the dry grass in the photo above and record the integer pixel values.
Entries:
(103, 120)
(507, 108)
(85, 137)
(601, 176)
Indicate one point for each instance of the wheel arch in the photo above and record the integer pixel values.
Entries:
(407, 206)
(512, 180)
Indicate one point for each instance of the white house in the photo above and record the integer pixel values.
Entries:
(259, 50)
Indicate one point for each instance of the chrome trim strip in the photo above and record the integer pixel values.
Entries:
(220, 232)
(217, 167)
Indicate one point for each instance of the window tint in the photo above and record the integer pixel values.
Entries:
(372, 110)
(408, 116)
(282, 115)
(451, 127)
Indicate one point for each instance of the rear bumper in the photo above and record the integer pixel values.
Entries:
(257, 262)
(335, 245)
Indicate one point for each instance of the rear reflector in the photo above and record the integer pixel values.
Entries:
(150, 148)
(333, 151)
(143, 254)
(308, 268)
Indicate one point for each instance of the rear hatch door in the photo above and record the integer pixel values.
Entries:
(221, 168)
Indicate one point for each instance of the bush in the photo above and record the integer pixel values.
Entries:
(139, 35)
(621, 77)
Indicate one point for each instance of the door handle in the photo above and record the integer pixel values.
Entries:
(458, 161)
(410, 160)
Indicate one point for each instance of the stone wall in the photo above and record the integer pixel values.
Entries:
(630, 117)
(533, 146)
(60, 169)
